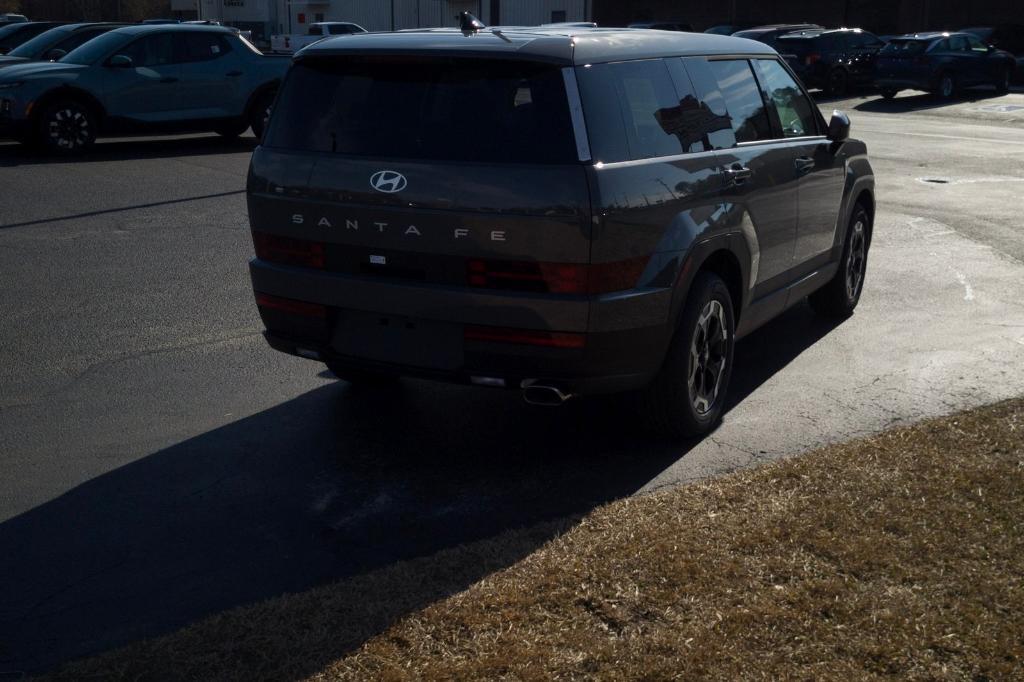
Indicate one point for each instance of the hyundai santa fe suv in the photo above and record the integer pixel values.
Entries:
(560, 212)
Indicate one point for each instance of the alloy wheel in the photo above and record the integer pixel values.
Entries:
(856, 261)
(708, 356)
(947, 86)
(68, 128)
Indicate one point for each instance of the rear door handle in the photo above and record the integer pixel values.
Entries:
(168, 79)
(233, 74)
(738, 174)
(804, 165)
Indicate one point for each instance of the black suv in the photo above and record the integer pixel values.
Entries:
(561, 213)
(832, 60)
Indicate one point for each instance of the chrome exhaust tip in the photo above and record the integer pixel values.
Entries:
(546, 396)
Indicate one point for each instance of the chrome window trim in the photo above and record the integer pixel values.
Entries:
(579, 123)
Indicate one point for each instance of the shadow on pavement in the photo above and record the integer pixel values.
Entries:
(334, 483)
(129, 149)
(923, 101)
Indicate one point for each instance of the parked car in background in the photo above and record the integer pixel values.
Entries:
(287, 44)
(663, 25)
(140, 79)
(14, 34)
(832, 60)
(1006, 37)
(727, 29)
(52, 45)
(941, 63)
(12, 18)
(770, 34)
(640, 200)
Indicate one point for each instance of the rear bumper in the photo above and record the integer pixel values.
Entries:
(420, 330)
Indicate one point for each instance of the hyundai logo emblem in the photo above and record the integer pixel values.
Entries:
(388, 181)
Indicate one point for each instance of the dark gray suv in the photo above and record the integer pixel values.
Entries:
(561, 213)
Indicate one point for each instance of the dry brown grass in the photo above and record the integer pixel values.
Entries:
(900, 555)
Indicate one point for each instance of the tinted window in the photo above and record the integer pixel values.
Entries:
(904, 47)
(795, 112)
(316, 30)
(959, 44)
(12, 36)
(338, 30)
(41, 43)
(976, 45)
(716, 124)
(742, 99)
(456, 109)
(634, 112)
(80, 38)
(153, 50)
(201, 47)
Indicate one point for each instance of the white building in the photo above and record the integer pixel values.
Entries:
(266, 17)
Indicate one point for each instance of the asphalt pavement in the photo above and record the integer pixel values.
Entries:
(159, 463)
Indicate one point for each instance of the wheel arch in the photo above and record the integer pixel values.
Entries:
(269, 87)
(68, 92)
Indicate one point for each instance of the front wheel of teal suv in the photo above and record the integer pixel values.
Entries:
(66, 127)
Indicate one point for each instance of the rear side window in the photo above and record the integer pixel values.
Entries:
(904, 47)
(743, 100)
(633, 111)
(791, 106)
(442, 108)
(717, 125)
(202, 47)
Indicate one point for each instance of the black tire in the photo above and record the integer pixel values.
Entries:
(66, 127)
(889, 93)
(360, 377)
(259, 114)
(680, 401)
(838, 82)
(947, 87)
(233, 130)
(1003, 83)
(840, 296)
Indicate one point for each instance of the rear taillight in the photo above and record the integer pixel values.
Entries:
(526, 337)
(291, 306)
(812, 58)
(288, 251)
(555, 278)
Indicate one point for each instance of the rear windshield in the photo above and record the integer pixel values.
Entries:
(448, 109)
(905, 47)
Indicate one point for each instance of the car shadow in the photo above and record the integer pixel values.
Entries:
(129, 149)
(337, 482)
(924, 101)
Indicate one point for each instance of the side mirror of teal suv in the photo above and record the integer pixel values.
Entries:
(141, 79)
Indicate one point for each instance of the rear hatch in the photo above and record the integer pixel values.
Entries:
(425, 169)
(799, 51)
(903, 58)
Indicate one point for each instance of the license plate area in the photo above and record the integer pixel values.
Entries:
(399, 340)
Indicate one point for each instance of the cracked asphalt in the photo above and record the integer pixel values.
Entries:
(159, 463)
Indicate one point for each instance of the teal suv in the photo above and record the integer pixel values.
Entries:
(139, 79)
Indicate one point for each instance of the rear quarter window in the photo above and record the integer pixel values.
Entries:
(446, 109)
(634, 111)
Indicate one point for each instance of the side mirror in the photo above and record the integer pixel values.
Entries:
(839, 127)
(120, 61)
(55, 54)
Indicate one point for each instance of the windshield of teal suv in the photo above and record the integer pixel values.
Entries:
(29, 49)
(97, 49)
